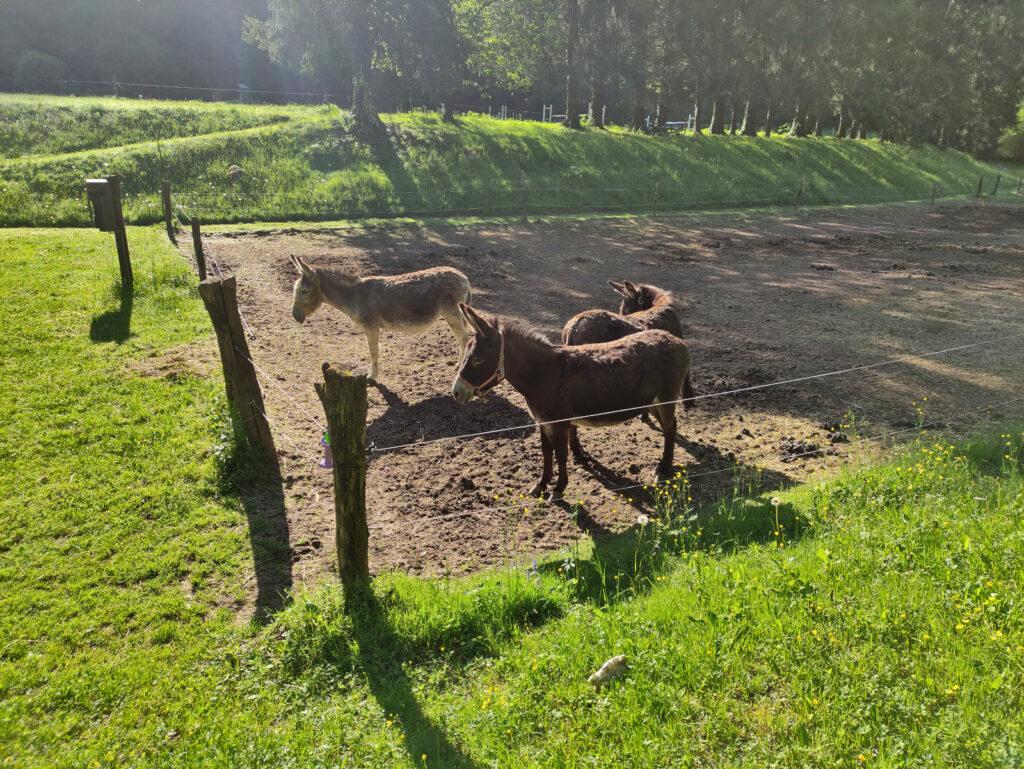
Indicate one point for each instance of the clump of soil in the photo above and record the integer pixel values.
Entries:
(197, 360)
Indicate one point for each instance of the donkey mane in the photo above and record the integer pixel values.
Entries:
(337, 275)
(516, 328)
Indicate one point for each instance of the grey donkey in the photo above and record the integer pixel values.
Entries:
(409, 303)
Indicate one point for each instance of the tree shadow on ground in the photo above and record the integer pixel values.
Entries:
(380, 656)
(440, 417)
(259, 487)
(114, 325)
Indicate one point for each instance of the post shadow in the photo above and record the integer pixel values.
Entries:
(380, 656)
(114, 325)
(261, 492)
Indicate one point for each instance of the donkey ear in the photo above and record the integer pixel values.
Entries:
(631, 288)
(301, 266)
(468, 315)
(476, 320)
(619, 288)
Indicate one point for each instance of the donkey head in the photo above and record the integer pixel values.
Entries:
(306, 296)
(634, 298)
(483, 364)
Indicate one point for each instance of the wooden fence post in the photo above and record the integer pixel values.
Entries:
(995, 187)
(343, 394)
(197, 247)
(1020, 182)
(240, 382)
(656, 196)
(799, 194)
(981, 180)
(165, 199)
(124, 260)
(935, 188)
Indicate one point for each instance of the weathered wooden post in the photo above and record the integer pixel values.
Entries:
(799, 194)
(343, 394)
(197, 247)
(655, 196)
(935, 189)
(1020, 182)
(240, 382)
(981, 180)
(165, 199)
(995, 187)
(121, 234)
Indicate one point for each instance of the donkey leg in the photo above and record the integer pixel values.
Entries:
(547, 450)
(560, 438)
(666, 415)
(574, 443)
(373, 342)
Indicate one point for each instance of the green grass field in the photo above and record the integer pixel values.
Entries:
(873, 619)
(303, 163)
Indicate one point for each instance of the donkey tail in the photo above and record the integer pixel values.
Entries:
(688, 393)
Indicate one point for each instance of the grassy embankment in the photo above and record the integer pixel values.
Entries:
(303, 163)
(871, 620)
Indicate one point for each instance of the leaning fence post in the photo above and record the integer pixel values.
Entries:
(197, 247)
(240, 382)
(165, 199)
(121, 235)
(981, 180)
(343, 394)
(995, 187)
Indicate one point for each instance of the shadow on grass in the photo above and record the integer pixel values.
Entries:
(380, 655)
(257, 483)
(114, 325)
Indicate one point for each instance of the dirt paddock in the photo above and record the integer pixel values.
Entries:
(762, 298)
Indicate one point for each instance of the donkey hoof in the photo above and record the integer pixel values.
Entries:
(556, 495)
(537, 490)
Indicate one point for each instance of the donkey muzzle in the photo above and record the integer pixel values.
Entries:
(298, 314)
(463, 391)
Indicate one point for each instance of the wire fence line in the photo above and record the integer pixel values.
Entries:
(720, 394)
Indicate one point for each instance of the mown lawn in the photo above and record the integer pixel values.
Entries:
(871, 620)
(304, 163)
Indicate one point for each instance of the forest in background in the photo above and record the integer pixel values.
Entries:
(946, 73)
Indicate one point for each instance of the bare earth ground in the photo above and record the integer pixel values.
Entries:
(762, 298)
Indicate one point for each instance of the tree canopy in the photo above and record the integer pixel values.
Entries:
(911, 70)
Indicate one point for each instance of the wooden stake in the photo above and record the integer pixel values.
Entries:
(522, 214)
(124, 260)
(240, 382)
(165, 198)
(995, 187)
(981, 180)
(935, 189)
(800, 193)
(343, 394)
(197, 247)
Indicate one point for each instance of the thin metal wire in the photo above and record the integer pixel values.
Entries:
(720, 394)
(308, 414)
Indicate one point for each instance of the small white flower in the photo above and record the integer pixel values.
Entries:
(642, 519)
(776, 501)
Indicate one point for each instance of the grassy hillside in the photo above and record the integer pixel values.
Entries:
(308, 165)
(871, 620)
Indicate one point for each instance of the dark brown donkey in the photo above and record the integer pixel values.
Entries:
(643, 307)
(592, 384)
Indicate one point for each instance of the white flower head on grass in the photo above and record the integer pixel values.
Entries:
(642, 519)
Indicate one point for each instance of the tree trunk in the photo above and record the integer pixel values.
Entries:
(747, 127)
(660, 116)
(794, 127)
(597, 106)
(716, 128)
(697, 129)
(364, 111)
(861, 132)
(768, 123)
(841, 125)
(572, 107)
(817, 127)
(732, 119)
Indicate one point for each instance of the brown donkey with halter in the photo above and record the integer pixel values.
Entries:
(644, 307)
(592, 384)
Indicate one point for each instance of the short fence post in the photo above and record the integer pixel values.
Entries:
(935, 188)
(526, 199)
(1020, 182)
(656, 195)
(799, 194)
(197, 247)
(165, 199)
(995, 187)
(124, 260)
(343, 394)
(981, 180)
(240, 382)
